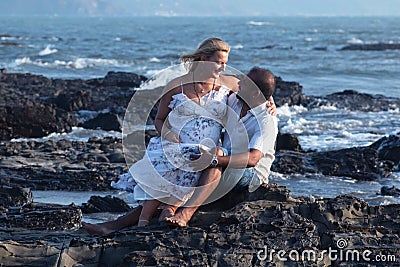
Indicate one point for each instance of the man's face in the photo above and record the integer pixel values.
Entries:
(247, 88)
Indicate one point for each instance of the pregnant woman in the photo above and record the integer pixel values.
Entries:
(191, 113)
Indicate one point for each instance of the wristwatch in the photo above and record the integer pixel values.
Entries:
(214, 161)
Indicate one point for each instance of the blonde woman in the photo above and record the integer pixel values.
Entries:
(190, 111)
(196, 100)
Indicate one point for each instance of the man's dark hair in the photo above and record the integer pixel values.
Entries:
(264, 79)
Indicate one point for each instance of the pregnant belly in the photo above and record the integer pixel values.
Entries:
(200, 130)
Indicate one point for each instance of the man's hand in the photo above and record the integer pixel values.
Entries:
(271, 106)
(202, 161)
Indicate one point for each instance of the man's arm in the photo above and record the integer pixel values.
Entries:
(236, 161)
(241, 160)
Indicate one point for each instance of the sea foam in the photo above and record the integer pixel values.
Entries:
(162, 77)
(259, 23)
(48, 51)
(78, 63)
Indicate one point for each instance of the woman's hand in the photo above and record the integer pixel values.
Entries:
(171, 137)
(271, 106)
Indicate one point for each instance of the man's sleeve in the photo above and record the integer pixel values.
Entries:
(265, 135)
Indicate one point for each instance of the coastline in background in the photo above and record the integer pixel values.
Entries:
(302, 49)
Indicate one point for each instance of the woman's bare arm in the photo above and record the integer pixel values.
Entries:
(163, 111)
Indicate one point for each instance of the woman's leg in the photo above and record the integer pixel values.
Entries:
(169, 209)
(127, 220)
(148, 211)
(207, 183)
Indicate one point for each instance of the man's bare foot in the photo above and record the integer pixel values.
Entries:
(96, 229)
(180, 219)
(167, 212)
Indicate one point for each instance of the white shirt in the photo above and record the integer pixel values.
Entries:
(256, 130)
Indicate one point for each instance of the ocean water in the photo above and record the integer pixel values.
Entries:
(301, 49)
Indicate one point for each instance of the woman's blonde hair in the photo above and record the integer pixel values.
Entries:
(206, 49)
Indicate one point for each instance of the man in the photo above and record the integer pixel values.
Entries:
(248, 153)
(250, 146)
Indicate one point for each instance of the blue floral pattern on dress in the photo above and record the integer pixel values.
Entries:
(194, 123)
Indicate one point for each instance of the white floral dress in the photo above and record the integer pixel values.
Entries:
(163, 171)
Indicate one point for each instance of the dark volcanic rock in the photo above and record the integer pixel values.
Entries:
(289, 93)
(104, 121)
(388, 148)
(15, 196)
(372, 47)
(361, 163)
(357, 163)
(34, 106)
(390, 191)
(73, 101)
(105, 204)
(353, 100)
(33, 119)
(271, 192)
(271, 220)
(42, 217)
(293, 162)
(320, 48)
(268, 47)
(123, 79)
(11, 44)
(288, 142)
(62, 165)
(140, 138)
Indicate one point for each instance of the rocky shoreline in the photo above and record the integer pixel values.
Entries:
(228, 233)
(251, 233)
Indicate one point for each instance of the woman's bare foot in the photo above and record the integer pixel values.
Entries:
(167, 212)
(179, 219)
(97, 229)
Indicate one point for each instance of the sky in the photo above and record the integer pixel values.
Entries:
(201, 7)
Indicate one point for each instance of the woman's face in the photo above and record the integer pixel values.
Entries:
(219, 60)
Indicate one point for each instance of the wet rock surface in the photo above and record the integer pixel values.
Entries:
(372, 47)
(86, 166)
(105, 204)
(15, 196)
(390, 191)
(37, 216)
(34, 106)
(19, 211)
(287, 141)
(233, 231)
(249, 234)
(289, 93)
(63, 165)
(361, 163)
(33, 118)
(388, 148)
(104, 121)
(353, 100)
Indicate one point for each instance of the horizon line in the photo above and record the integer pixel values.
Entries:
(191, 15)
